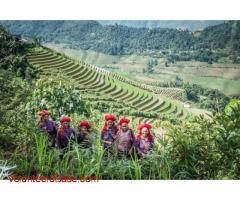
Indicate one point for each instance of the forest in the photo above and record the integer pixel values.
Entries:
(123, 40)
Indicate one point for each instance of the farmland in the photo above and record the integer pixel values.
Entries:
(222, 76)
(97, 85)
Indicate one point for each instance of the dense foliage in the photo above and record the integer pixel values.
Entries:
(118, 39)
(211, 99)
(191, 25)
(195, 149)
(14, 92)
(12, 55)
(16, 76)
(203, 149)
(59, 95)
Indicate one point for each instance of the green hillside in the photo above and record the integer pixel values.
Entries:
(123, 40)
(219, 75)
(98, 86)
(191, 25)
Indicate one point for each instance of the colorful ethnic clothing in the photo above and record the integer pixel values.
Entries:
(125, 141)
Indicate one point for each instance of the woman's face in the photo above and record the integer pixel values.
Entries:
(66, 124)
(45, 117)
(110, 123)
(83, 129)
(145, 132)
(124, 127)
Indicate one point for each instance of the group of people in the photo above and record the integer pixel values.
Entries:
(114, 135)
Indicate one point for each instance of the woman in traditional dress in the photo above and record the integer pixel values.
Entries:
(65, 133)
(125, 139)
(109, 131)
(47, 125)
(84, 137)
(144, 140)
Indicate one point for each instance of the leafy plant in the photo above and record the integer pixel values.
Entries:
(58, 95)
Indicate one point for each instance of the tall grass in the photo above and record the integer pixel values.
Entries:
(94, 161)
(196, 149)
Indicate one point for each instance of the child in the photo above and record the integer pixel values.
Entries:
(144, 141)
(48, 125)
(84, 137)
(125, 139)
(109, 131)
(65, 133)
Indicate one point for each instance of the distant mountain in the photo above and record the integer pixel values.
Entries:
(119, 40)
(50, 29)
(191, 25)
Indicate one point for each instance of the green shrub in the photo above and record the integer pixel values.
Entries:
(58, 95)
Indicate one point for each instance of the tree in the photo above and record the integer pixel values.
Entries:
(192, 94)
(151, 63)
(210, 61)
(37, 41)
(150, 66)
(12, 56)
(58, 95)
(178, 81)
(166, 64)
(235, 37)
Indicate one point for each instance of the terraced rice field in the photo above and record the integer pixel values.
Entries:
(100, 85)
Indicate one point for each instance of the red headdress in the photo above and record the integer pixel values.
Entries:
(85, 123)
(110, 117)
(65, 119)
(140, 127)
(148, 126)
(124, 120)
(61, 128)
(42, 114)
